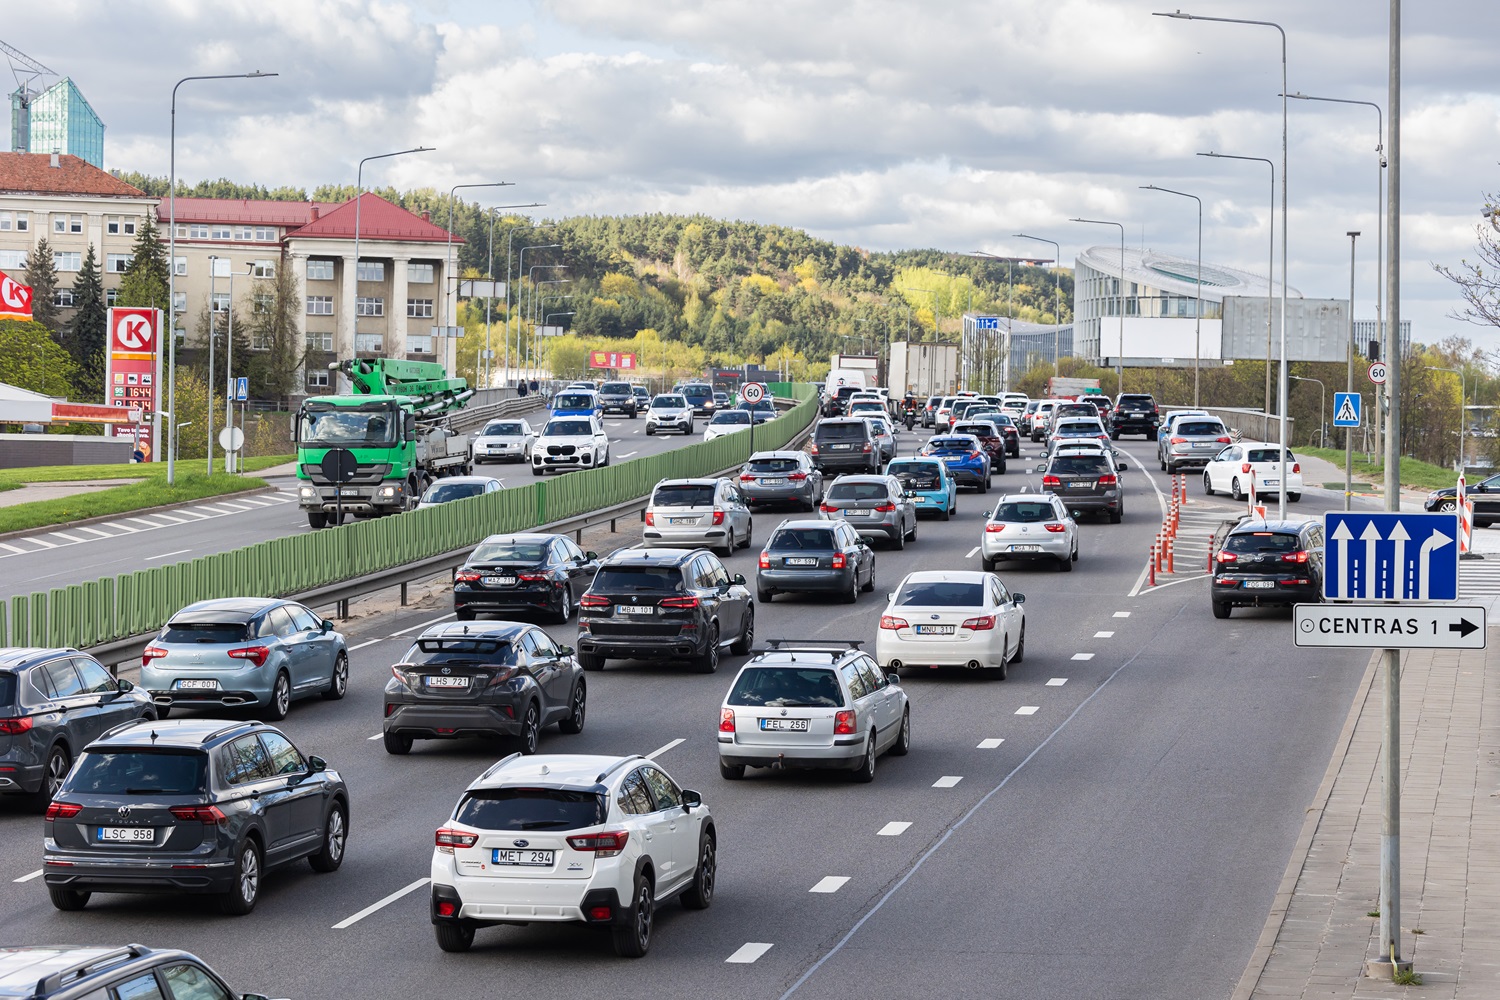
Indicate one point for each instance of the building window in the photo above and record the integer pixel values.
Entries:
(63, 298)
(179, 301)
(221, 302)
(419, 344)
(319, 341)
(244, 232)
(420, 274)
(419, 309)
(12, 259)
(120, 225)
(320, 305)
(371, 270)
(67, 223)
(219, 231)
(195, 231)
(317, 380)
(67, 260)
(263, 269)
(180, 266)
(112, 295)
(319, 270)
(372, 343)
(117, 263)
(265, 234)
(261, 303)
(369, 305)
(23, 222)
(260, 340)
(16, 222)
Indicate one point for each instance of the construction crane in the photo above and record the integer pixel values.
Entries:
(27, 71)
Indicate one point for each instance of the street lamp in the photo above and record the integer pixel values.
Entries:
(1056, 298)
(1197, 287)
(520, 266)
(1462, 399)
(448, 261)
(489, 367)
(172, 253)
(1322, 400)
(1120, 294)
(1270, 258)
(229, 364)
(1349, 384)
(541, 300)
(359, 197)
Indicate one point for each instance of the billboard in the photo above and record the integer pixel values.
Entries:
(613, 360)
(132, 374)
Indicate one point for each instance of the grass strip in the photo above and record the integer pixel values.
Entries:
(153, 492)
(1414, 473)
(11, 479)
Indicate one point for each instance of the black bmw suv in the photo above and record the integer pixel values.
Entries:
(190, 806)
(619, 397)
(1135, 413)
(664, 604)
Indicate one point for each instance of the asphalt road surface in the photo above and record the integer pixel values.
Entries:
(1112, 821)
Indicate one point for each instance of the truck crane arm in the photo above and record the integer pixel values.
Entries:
(426, 384)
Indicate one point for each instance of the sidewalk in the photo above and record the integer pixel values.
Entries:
(1319, 933)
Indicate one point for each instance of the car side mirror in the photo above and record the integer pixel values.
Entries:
(1018, 598)
(565, 651)
(690, 799)
(590, 555)
(893, 678)
(738, 578)
(1041, 468)
(125, 687)
(316, 764)
(326, 625)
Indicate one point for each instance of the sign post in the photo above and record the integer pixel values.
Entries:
(1347, 412)
(132, 374)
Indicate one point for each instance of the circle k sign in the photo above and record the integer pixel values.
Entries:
(133, 331)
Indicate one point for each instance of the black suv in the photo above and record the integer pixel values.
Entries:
(85, 972)
(700, 396)
(845, 444)
(664, 603)
(1135, 413)
(1268, 562)
(1086, 483)
(53, 703)
(194, 806)
(619, 397)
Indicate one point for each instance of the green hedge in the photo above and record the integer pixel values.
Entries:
(99, 611)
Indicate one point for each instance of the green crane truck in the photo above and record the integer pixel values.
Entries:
(395, 423)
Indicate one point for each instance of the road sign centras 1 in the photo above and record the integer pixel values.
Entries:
(1390, 557)
(1389, 626)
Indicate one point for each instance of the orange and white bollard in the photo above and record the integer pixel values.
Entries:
(1151, 567)
(1169, 556)
(1210, 555)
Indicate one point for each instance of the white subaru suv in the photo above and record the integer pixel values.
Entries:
(571, 838)
(570, 443)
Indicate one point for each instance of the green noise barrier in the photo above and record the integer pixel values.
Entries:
(117, 607)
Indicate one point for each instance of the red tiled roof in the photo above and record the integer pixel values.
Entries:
(243, 211)
(33, 173)
(378, 219)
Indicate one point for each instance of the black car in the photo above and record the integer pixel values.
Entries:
(760, 412)
(1484, 495)
(1087, 483)
(190, 806)
(827, 557)
(1006, 424)
(98, 972)
(1268, 562)
(619, 397)
(528, 572)
(664, 603)
(700, 396)
(494, 680)
(1135, 413)
(53, 703)
(845, 444)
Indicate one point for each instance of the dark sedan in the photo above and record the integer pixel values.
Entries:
(815, 556)
(531, 572)
(760, 412)
(1484, 495)
(491, 680)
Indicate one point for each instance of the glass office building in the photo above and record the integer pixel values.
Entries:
(58, 120)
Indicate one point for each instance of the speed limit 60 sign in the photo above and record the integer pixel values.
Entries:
(753, 392)
(1378, 372)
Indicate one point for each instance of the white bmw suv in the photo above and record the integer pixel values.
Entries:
(571, 838)
(570, 443)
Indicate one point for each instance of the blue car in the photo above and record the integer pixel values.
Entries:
(964, 457)
(576, 403)
(927, 480)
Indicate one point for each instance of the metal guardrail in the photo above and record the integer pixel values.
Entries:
(474, 417)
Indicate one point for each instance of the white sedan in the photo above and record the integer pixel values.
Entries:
(1234, 469)
(503, 441)
(952, 618)
(726, 422)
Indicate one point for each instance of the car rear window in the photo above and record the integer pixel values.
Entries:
(1267, 455)
(841, 432)
(461, 649)
(445, 492)
(773, 465)
(567, 428)
(1079, 465)
(940, 594)
(1079, 428)
(206, 632)
(573, 401)
(531, 809)
(1262, 541)
(803, 539)
(1137, 403)
(951, 444)
(140, 772)
(858, 491)
(638, 580)
(787, 687)
(1025, 511)
(918, 475)
(503, 427)
(509, 552)
(686, 495)
(1200, 428)
(978, 430)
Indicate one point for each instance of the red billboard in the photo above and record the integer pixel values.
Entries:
(613, 360)
(132, 374)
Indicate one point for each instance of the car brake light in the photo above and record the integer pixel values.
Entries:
(447, 908)
(892, 622)
(838, 560)
(843, 723)
(798, 477)
(255, 654)
(593, 601)
(531, 577)
(1055, 527)
(726, 720)
(867, 447)
(1177, 440)
(1300, 556)
(446, 839)
(603, 845)
(976, 454)
(1245, 467)
(765, 561)
(650, 519)
(63, 810)
(466, 576)
(718, 517)
(993, 528)
(1109, 479)
(828, 508)
(1222, 440)
(16, 726)
(1051, 481)
(747, 477)
(151, 653)
(207, 815)
(1297, 467)
(1227, 557)
(983, 623)
(812, 449)
(679, 602)
(885, 508)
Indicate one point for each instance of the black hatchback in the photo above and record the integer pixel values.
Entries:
(1268, 562)
(526, 572)
(1086, 483)
(845, 444)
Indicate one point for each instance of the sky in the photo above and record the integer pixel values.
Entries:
(885, 124)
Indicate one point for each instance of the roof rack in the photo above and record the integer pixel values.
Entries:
(49, 985)
(234, 727)
(498, 765)
(611, 769)
(809, 643)
(120, 728)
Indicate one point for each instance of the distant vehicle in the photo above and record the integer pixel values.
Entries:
(523, 572)
(669, 412)
(458, 488)
(873, 505)
(811, 556)
(618, 397)
(1029, 527)
(845, 443)
(568, 443)
(990, 438)
(727, 422)
(1085, 483)
(576, 403)
(1238, 466)
(885, 435)
(965, 457)
(1134, 413)
(1268, 562)
(700, 395)
(1191, 442)
(711, 513)
(952, 618)
(504, 441)
(1041, 418)
(1075, 428)
(763, 411)
(1485, 495)
(928, 482)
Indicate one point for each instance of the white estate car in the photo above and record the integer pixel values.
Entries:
(557, 838)
(669, 411)
(1234, 469)
(694, 513)
(505, 440)
(1029, 526)
(570, 443)
(727, 422)
(952, 618)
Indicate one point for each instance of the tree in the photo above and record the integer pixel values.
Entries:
(145, 283)
(85, 333)
(31, 358)
(275, 307)
(41, 275)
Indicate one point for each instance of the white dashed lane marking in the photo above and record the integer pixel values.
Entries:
(972, 552)
(829, 883)
(747, 953)
(166, 555)
(1122, 614)
(83, 535)
(893, 829)
(947, 781)
(28, 876)
(1028, 710)
(1057, 682)
(663, 749)
(1083, 656)
(1104, 635)
(381, 904)
(989, 744)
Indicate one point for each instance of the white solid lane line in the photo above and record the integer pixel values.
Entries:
(1083, 656)
(373, 907)
(972, 552)
(1104, 635)
(29, 876)
(989, 744)
(747, 953)
(1028, 709)
(663, 749)
(375, 737)
(893, 829)
(947, 781)
(432, 621)
(367, 642)
(1122, 614)
(829, 883)
(1057, 682)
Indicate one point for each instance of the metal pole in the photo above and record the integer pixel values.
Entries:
(229, 373)
(449, 271)
(489, 301)
(1056, 297)
(1270, 259)
(359, 197)
(213, 274)
(1197, 287)
(1349, 387)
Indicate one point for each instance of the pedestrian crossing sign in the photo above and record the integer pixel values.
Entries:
(1347, 409)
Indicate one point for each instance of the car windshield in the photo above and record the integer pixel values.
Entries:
(616, 388)
(803, 539)
(502, 428)
(1024, 511)
(1261, 541)
(879, 426)
(348, 426)
(773, 465)
(1198, 428)
(139, 772)
(1267, 455)
(461, 649)
(670, 402)
(531, 809)
(444, 492)
(841, 432)
(206, 632)
(638, 580)
(573, 401)
(786, 687)
(1079, 465)
(684, 495)
(918, 475)
(940, 594)
(697, 392)
(509, 551)
(567, 428)
(731, 417)
(858, 491)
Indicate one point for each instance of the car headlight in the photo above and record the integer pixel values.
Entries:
(388, 491)
(307, 493)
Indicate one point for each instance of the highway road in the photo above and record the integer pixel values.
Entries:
(1111, 821)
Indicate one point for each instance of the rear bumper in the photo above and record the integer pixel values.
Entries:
(522, 901)
(836, 581)
(931, 503)
(24, 777)
(1230, 590)
(1190, 459)
(527, 599)
(1053, 547)
(966, 477)
(204, 699)
(777, 494)
(847, 752)
(1090, 503)
(622, 647)
(694, 539)
(180, 873)
(446, 722)
(939, 652)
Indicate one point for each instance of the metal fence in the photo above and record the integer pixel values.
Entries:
(131, 604)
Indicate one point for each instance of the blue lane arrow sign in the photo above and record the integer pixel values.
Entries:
(1385, 567)
(1347, 409)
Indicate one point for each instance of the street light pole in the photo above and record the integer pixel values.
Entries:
(450, 271)
(359, 197)
(1119, 359)
(489, 367)
(213, 287)
(1197, 288)
(1349, 387)
(1270, 259)
(521, 266)
(1056, 298)
(171, 331)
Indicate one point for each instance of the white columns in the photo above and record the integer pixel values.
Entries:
(396, 321)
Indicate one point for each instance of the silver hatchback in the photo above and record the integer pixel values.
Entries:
(698, 513)
(873, 505)
(781, 477)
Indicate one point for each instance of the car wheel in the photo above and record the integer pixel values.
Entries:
(650, 431)
(591, 661)
(945, 513)
(1446, 507)
(870, 583)
(1235, 493)
(1222, 610)
(1115, 516)
(338, 684)
(1294, 497)
(764, 596)
(397, 744)
(865, 773)
(902, 746)
(1171, 468)
(1208, 485)
(1065, 564)
(913, 536)
(68, 899)
(531, 731)
(632, 940)
(335, 836)
(241, 897)
(898, 540)
(316, 519)
(984, 486)
(708, 661)
(700, 894)
(731, 772)
(564, 612)
(1075, 553)
(1161, 462)
(59, 762)
(749, 533)
(464, 614)
(988, 563)
(577, 711)
(281, 698)
(851, 595)
(1114, 435)
(454, 936)
(536, 470)
(746, 640)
